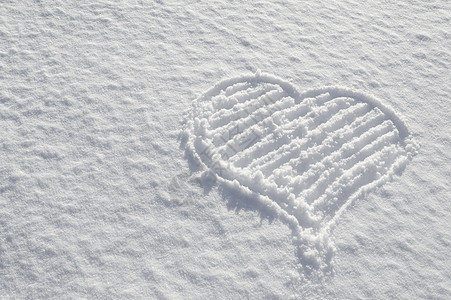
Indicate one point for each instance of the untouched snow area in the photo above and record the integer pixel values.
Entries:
(106, 108)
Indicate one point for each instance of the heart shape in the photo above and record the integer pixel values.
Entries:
(307, 155)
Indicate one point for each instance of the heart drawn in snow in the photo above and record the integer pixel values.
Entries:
(307, 156)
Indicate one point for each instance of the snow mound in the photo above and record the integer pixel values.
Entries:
(307, 156)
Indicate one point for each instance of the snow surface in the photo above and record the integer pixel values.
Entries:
(98, 198)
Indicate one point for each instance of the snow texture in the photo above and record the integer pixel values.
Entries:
(98, 199)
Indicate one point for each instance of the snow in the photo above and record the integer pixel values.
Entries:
(98, 198)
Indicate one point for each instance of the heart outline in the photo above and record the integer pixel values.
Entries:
(314, 247)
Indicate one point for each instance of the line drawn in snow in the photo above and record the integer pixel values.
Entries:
(304, 156)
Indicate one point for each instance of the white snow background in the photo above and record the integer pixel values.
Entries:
(97, 198)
